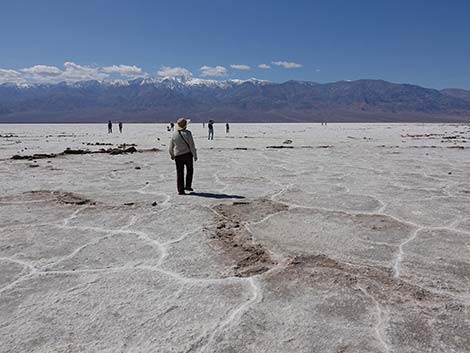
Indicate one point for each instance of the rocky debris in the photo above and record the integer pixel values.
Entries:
(284, 146)
(98, 144)
(279, 146)
(417, 136)
(154, 203)
(129, 203)
(70, 151)
(287, 142)
(433, 146)
(34, 156)
(71, 198)
(73, 151)
(114, 151)
(138, 168)
(240, 203)
(6, 136)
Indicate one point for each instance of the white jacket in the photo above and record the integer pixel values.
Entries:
(178, 146)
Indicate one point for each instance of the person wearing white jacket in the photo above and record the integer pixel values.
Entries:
(183, 150)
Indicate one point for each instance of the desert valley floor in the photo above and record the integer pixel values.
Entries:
(346, 238)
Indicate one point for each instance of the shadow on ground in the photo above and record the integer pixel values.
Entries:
(216, 196)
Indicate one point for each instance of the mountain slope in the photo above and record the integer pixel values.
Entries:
(457, 93)
(162, 100)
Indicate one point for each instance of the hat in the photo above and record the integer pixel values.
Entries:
(182, 123)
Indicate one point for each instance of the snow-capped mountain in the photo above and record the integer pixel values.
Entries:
(162, 99)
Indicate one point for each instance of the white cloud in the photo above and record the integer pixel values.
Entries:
(240, 67)
(42, 74)
(125, 71)
(264, 66)
(74, 72)
(170, 72)
(43, 70)
(317, 70)
(7, 75)
(287, 64)
(213, 71)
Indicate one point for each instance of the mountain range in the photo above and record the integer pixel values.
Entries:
(164, 99)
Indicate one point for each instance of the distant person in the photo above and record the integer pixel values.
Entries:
(172, 126)
(203, 125)
(183, 150)
(110, 127)
(120, 127)
(211, 130)
(227, 128)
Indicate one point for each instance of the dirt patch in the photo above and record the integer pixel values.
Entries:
(122, 149)
(381, 282)
(249, 211)
(62, 197)
(237, 241)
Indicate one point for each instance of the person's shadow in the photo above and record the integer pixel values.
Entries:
(216, 196)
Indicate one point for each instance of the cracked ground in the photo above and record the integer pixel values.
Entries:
(351, 238)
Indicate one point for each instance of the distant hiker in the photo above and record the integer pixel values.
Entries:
(172, 126)
(120, 127)
(203, 125)
(183, 150)
(211, 130)
(110, 127)
(227, 128)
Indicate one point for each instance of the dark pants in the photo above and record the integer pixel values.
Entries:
(211, 134)
(181, 161)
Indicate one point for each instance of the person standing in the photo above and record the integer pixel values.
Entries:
(120, 127)
(227, 128)
(183, 151)
(211, 130)
(172, 126)
(110, 127)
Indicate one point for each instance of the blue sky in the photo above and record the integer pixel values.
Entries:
(421, 42)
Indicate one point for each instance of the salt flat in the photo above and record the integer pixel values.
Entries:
(351, 238)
